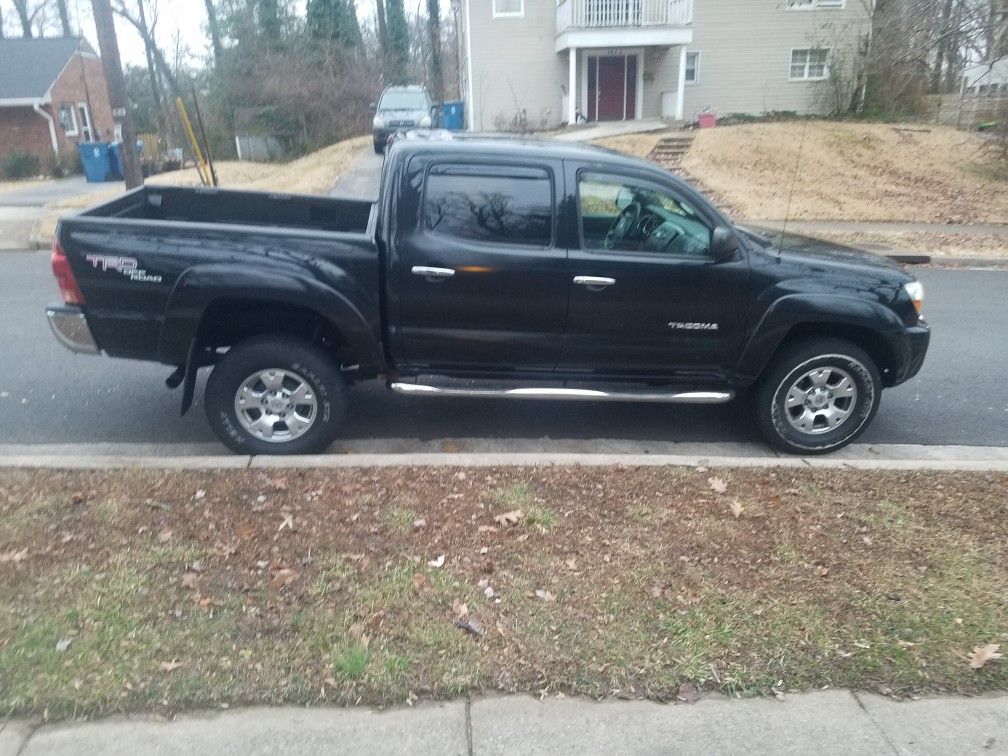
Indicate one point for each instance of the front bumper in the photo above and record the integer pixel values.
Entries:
(916, 338)
(70, 328)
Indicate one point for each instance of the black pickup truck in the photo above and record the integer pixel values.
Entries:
(489, 267)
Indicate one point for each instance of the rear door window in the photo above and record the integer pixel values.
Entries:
(487, 204)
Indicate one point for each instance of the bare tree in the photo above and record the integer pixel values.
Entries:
(24, 17)
(64, 15)
(215, 35)
(139, 22)
(108, 44)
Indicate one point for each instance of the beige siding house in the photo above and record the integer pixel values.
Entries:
(533, 64)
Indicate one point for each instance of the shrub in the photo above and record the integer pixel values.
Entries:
(18, 165)
(66, 163)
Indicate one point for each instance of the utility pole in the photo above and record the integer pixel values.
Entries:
(109, 47)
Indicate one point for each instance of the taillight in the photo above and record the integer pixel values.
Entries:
(65, 278)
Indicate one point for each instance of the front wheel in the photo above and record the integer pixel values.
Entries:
(817, 396)
(275, 395)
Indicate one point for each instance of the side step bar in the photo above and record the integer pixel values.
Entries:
(568, 394)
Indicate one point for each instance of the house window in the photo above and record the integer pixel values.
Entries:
(508, 8)
(84, 118)
(692, 67)
(809, 64)
(67, 119)
(813, 4)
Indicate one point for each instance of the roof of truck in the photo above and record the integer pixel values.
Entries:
(462, 142)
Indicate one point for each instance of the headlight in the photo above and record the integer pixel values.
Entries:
(915, 290)
(378, 122)
(425, 122)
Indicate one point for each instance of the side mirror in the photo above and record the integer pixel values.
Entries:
(724, 242)
(373, 105)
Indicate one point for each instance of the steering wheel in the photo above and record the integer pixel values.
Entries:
(621, 226)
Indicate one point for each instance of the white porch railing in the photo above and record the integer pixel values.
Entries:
(621, 14)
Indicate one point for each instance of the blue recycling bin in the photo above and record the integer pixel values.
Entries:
(95, 161)
(452, 115)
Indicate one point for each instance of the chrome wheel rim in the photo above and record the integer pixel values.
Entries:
(276, 405)
(820, 400)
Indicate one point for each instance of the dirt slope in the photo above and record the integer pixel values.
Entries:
(850, 171)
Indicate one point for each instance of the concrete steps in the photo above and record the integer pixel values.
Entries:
(670, 149)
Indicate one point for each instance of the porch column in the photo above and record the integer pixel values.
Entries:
(681, 88)
(572, 87)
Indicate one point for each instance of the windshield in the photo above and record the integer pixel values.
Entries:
(402, 100)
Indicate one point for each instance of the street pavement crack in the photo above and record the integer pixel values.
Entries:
(468, 724)
(878, 727)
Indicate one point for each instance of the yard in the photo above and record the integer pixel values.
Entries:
(851, 172)
(846, 171)
(160, 590)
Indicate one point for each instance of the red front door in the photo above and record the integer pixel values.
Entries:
(612, 87)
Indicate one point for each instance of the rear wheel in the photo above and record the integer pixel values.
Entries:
(817, 396)
(275, 395)
(379, 147)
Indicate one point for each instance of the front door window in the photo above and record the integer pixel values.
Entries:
(621, 215)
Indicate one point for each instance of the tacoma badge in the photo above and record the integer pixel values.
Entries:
(675, 325)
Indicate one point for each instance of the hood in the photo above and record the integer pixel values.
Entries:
(811, 249)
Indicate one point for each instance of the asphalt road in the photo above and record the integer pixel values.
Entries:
(38, 193)
(48, 395)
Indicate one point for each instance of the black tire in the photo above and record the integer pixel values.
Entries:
(298, 358)
(379, 147)
(795, 360)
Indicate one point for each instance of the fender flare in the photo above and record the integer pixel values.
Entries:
(831, 311)
(199, 287)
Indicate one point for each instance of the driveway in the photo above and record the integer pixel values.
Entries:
(48, 395)
(361, 181)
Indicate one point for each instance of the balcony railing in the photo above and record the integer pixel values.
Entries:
(622, 14)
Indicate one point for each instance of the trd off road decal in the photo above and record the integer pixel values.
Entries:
(128, 266)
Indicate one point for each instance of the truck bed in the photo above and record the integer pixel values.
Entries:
(153, 261)
(212, 205)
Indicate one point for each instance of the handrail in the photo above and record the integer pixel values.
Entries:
(617, 14)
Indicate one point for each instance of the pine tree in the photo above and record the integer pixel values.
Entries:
(334, 22)
(398, 39)
(434, 39)
(268, 17)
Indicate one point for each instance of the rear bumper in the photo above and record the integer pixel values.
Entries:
(70, 328)
(916, 339)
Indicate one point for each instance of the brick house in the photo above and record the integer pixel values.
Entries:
(53, 96)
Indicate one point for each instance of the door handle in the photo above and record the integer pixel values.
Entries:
(594, 282)
(429, 272)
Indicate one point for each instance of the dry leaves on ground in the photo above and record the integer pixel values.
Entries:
(983, 654)
(510, 518)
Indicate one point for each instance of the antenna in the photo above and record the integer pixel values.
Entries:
(794, 180)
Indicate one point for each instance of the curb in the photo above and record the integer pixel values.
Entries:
(980, 459)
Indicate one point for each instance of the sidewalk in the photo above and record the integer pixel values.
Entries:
(821, 722)
(588, 133)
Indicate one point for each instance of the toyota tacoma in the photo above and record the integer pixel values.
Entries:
(488, 267)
